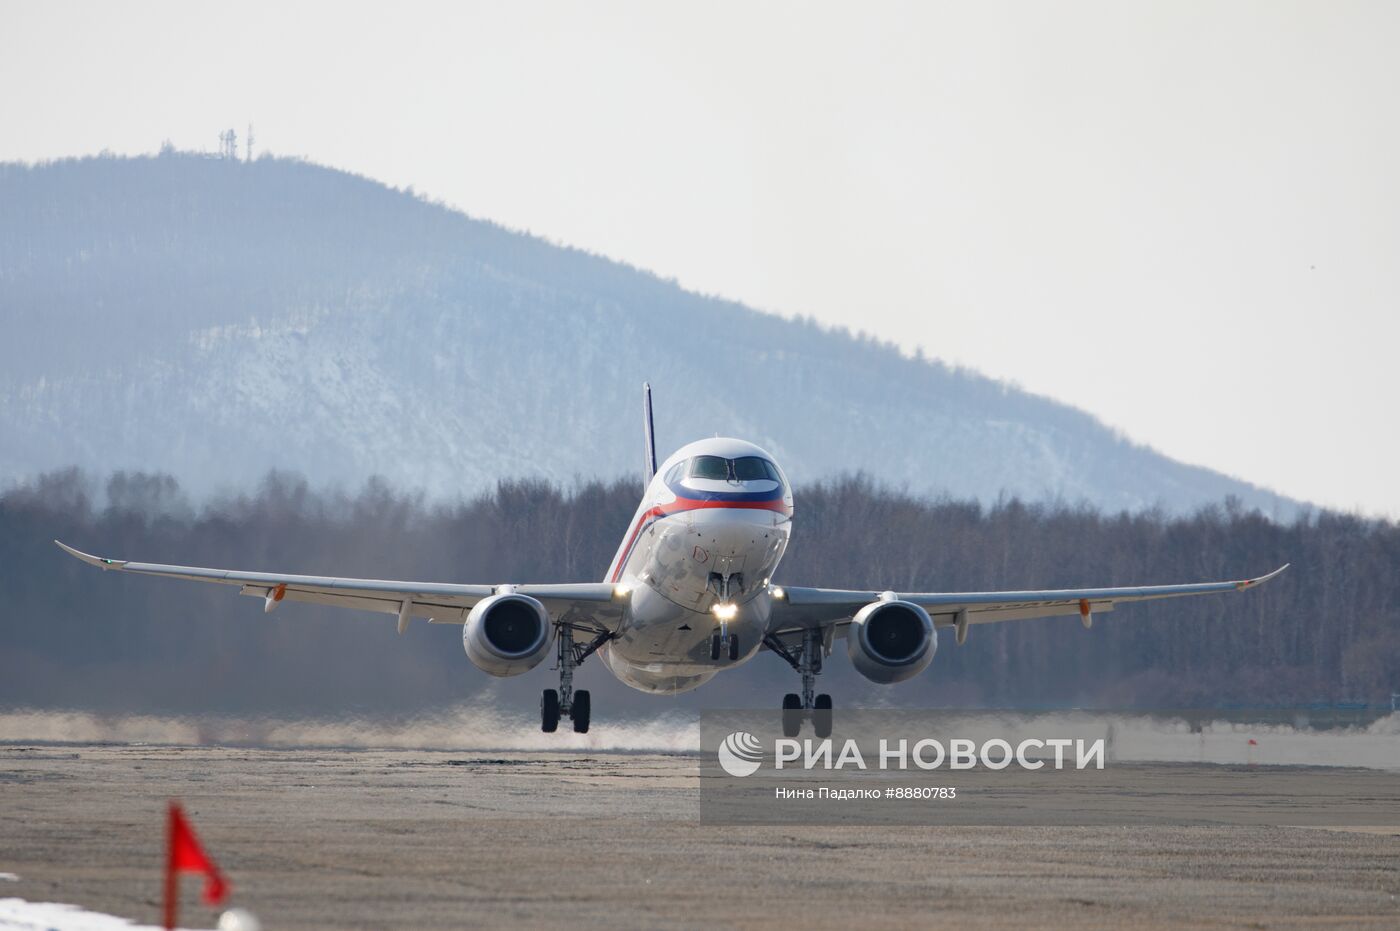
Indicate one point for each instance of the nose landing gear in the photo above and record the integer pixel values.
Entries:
(725, 586)
(808, 663)
(721, 640)
(566, 703)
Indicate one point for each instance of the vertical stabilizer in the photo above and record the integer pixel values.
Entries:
(650, 435)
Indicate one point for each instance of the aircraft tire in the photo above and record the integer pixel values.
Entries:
(549, 711)
(821, 716)
(792, 714)
(582, 711)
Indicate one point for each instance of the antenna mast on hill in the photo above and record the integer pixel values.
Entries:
(228, 145)
(248, 143)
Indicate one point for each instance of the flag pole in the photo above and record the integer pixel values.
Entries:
(172, 881)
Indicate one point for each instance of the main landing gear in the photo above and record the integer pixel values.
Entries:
(566, 703)
(808, 663)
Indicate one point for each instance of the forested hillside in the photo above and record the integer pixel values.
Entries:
(1327, 630)
(213, 319)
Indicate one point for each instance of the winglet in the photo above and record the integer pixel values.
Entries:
(91, 560)
(1250, 583)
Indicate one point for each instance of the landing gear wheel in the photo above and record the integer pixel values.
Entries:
(714, 647)
(581, 710)
(792, 714)
(549, 711)
(733, 647)
(821, 716)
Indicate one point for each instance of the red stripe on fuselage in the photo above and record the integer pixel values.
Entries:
(688, 504)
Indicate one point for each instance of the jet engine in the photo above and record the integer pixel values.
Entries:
(507, 634)
(890, 641)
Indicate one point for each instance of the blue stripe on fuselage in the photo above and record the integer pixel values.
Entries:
(695, 494)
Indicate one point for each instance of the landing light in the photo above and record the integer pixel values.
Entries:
(621, 591)
(726, 612)
(777, 592)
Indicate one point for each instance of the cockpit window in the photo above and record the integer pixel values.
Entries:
(743, 469)
(712, 467)
(751, 469)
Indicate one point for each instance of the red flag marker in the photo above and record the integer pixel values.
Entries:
(183, 854)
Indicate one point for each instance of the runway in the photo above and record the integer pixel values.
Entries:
(427, 839)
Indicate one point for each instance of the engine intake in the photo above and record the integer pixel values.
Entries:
(890, 641)
(507, 634)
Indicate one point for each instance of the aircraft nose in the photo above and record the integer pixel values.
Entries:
(729, 538)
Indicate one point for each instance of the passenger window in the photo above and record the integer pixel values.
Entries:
(712, 467)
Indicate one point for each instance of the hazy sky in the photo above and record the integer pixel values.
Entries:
(1181, 217)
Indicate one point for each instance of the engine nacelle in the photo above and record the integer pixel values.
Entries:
(507, 634)
(890, 641)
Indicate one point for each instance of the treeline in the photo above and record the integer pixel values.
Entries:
(1327, 630)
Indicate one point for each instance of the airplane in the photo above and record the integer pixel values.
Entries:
(690, 594)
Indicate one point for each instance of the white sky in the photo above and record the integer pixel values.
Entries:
(1181, 217)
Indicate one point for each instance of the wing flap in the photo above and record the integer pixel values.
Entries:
(987, 616)
(438, 611)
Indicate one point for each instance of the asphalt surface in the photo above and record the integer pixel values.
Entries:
(421, 839)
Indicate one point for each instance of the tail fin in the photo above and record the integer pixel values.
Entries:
(650, 436)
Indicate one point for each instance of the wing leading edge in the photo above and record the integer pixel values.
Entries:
(804, 608)
(439, 602)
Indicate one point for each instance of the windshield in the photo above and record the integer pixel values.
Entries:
(743, 469)
(752, 469)
(709, 467)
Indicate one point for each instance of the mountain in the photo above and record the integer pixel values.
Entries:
(214, 319)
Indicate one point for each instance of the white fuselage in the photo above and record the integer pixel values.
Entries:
(698, 558)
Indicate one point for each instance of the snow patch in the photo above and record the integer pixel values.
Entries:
(19, 915)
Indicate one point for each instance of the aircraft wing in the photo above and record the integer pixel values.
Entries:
(806, 608)
(439, 602)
